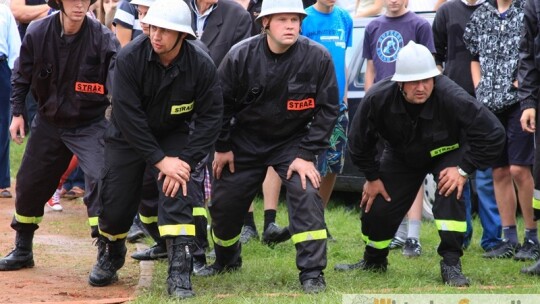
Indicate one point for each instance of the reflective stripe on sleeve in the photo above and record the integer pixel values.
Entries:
(148, 219)
(200, 211)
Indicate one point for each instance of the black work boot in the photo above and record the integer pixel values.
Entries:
(452, 275)
(111, 257)
(21, 256)
(314, 285)
(180, 268)
(363, 265)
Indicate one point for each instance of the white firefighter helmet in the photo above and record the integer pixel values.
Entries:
(415, 62)
(270, 7)
(170, 14)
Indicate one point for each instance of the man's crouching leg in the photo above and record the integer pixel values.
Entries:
(111, 257)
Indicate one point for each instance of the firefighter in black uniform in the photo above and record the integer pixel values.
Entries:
(430, 125)
(66, 61)
(166, 84)
(280, 106)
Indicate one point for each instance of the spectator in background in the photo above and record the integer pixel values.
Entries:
(253, 7)
(529, 84)
(332, 26)
(10, 44)
(453, 58)
(126, 22)
(104, 8)
(494, 72)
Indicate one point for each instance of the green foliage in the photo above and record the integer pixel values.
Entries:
(270, 275)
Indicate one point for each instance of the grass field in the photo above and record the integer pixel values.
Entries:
(270, 275)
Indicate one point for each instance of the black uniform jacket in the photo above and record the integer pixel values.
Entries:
(279, 98)
(529, 57)
(151, 101)
(68, 79)
(450, 119)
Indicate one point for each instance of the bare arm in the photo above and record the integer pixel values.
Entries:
(372, 10)
(123, 34)
(25, 13)
(475, 73)
(369, 77)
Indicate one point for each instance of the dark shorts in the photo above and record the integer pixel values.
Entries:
(331, 160)
(519, 147)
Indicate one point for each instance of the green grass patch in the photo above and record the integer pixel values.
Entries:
(270, 275)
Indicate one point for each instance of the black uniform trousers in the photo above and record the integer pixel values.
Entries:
(47, 156)
(148, 208)
(401, 182)
(233, 193)
(120, 190)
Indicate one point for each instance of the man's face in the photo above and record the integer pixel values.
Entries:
(395, 7)
(142, 12)
(283, 30)
(163, 40)
(75, 10)
(327, 3)
(418, 92)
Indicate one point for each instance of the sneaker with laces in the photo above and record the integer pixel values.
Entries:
(504, 250)
(452, 275)
(248, 233)
(54, 201)
(528, 251)
(396, 243)
(412, 248)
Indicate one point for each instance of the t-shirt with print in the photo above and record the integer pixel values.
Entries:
(385, 36)
(334, 31)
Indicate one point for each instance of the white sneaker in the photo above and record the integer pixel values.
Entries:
(54, 201)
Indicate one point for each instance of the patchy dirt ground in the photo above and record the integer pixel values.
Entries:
(64, 254)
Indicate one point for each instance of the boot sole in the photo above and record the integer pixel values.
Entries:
(103, 284)
(16, 267)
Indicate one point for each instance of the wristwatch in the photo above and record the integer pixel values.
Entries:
(462, 173)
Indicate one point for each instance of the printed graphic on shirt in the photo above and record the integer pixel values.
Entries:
(85, 87)
(299, 105)
(388, 46)
(336, 36)
(181, 109)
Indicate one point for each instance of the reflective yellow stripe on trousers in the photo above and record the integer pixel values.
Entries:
(225, 243)
(93, 221)
(376, 244)
(200, 211)
(179, 229)
(28, 219)
(309, 236)
(148, 219)
(112, 237)
(448, 225)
